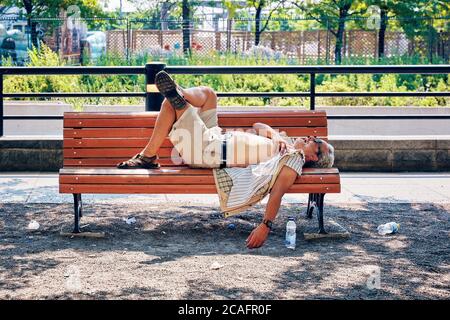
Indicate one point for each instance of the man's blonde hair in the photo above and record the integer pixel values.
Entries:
(326, 160)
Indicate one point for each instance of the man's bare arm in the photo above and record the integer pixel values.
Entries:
(267, 131)
(285, 180)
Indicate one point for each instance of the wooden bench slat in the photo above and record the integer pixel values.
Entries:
(114, 171)
(111, 143)
(106, 153)
(110, 152)
(116, 142)
(220, 113)
(223, 122)
(112, 162)
(167, 179)
(189, 189)
(170, 170)
(142, 132)
(109, 162)
(136, 179)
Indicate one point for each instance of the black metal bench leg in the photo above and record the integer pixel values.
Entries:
(77, 206)
(320, 202)
(311, 205)
(80, 203)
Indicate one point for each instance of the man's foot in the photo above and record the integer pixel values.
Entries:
(140, 161)
(170, 90)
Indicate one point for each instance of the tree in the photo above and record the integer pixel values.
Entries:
(231, 6)
(415, 18)
(259, 5)
(153, 14)
(166, 6)
(186, 13)
(378, 11)
(333, 14)
(50, 9)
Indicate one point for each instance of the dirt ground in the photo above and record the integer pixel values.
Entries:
(190, 252)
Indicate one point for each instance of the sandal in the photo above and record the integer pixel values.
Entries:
(170, 90)
(139, 161)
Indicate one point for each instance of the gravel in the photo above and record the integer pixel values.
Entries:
(170, 251)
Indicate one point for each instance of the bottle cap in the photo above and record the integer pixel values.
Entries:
(291, 218)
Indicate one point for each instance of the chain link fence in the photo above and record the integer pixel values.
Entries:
(298, 41)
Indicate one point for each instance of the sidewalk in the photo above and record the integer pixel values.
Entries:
(356, 188)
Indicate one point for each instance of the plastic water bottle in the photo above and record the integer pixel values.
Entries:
(391, 227)
(290, 233)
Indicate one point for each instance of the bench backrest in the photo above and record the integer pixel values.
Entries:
(94, 139)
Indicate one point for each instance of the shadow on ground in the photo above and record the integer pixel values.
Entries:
(169, 251)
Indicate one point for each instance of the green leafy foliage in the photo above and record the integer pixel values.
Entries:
(236, 82)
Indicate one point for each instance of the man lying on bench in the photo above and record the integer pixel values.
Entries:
(246, 165)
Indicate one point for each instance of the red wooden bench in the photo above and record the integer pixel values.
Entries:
(95, 142)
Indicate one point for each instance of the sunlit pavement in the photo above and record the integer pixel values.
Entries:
(42, 187)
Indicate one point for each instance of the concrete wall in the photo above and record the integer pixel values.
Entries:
(25, 154)
(393, 155)
(352, 154)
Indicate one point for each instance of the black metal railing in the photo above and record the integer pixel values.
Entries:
(153, 99)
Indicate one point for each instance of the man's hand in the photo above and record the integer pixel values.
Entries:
(282, 146)
(258, 236)
(279, 141)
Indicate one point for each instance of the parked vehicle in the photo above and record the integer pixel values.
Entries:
(94, 45)
(14, 42)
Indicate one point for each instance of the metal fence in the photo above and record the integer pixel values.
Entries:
(153, 98)
(300, 41)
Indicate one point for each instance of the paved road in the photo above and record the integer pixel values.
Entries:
(336, 127)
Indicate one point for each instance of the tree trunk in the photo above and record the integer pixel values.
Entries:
(258, 23)
(343, 13)
(382, 32)
(229, 27)
(28, 4)
(186, 12)
(164, 15)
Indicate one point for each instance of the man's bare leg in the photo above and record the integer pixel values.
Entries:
(163, 124)
(200, 97)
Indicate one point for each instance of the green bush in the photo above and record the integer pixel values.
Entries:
(67, 83)
(237, 83)
(42, 58)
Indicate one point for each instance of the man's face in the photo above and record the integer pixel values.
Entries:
(311, 147)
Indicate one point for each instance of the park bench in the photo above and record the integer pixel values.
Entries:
(95, 142)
